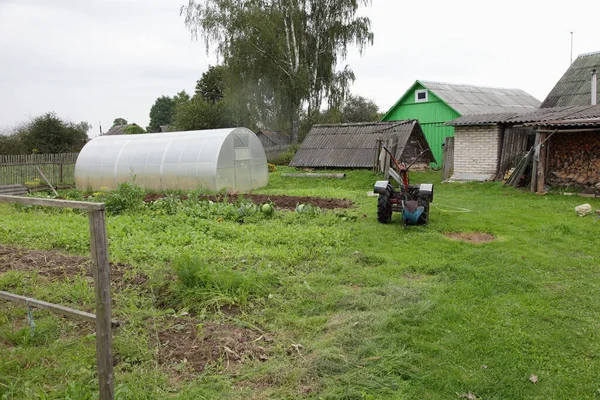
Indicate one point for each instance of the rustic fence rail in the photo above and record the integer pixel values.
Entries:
(21, 169)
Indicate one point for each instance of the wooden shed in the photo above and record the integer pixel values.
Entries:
(488, 145)
(358, 145)
(435, 103)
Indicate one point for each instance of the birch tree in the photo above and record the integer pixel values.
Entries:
(288, 49)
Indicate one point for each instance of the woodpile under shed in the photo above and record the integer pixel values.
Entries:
(574, 160)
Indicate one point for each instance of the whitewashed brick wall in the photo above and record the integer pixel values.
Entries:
(476, 149)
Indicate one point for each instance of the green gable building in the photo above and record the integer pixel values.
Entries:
(435, 103)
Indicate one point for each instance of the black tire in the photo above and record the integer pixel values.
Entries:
(384, 208)
(424, 219)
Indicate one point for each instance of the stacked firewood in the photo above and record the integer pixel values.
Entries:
(575, 160)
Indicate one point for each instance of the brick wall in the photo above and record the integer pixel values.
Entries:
(476, 149)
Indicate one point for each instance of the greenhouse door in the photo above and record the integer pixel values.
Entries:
(243, 169)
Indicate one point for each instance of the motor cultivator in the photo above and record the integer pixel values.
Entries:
(410, 200)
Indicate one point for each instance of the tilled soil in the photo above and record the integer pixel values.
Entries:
(280, 201)
(55, 265)
(196, 346)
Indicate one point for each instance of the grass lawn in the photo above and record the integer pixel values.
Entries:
(327, 306)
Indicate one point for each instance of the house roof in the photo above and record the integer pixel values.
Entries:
(537, 117)
(574, 88)
(278, 137)
(354, 145)
(118, 130)
(470, 99)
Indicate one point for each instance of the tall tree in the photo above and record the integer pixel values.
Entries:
(290, 47)
(161, 113)
(359, 109)
(211, 86)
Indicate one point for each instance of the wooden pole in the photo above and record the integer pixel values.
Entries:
(536, 159)
(541, 164)
(99, 247)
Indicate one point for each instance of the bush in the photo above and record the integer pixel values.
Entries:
(288, 156)
(127, 197)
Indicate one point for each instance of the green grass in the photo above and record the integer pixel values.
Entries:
(381, 311)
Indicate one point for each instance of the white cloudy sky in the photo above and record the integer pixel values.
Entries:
(95, 60)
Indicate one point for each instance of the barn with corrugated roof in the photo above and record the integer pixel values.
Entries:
(359, 145)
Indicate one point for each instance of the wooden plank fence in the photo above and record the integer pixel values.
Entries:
(21, 169)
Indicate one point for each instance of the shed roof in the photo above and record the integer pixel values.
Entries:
(535, 117)
(278, 137)
(118, 130)
(574, 88)
(353, 145)
(470, 99)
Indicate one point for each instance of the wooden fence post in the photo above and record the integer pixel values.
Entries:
(99, 247)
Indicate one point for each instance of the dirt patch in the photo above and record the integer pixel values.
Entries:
(471, 237)
(57, 266)
(200, 345)
(280, 201)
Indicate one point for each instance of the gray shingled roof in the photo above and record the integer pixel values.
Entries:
(574, 88)
(469, 99)
(355, 145)
(278, 137)
(542, 115)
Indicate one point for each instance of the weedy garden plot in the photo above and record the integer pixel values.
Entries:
(356, 309)
(279, 201)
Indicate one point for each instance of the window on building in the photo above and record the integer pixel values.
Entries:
(421, 96)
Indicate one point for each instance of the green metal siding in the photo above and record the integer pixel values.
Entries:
(431, 115)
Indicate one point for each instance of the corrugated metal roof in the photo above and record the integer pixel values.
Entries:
(354, 145)
(577, 123)
(470, 99)
(536, 117)
(574, 88)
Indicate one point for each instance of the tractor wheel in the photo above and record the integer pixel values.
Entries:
(424, 219)
(384, 207)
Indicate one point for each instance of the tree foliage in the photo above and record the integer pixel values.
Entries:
(199, 114)
(161, 113)
(119, 121)
(359, 109)
(211, 86)
(134, 129)
(46, 134)
(289, 49)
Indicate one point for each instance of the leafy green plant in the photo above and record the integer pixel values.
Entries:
(128, 197)
(288, 155)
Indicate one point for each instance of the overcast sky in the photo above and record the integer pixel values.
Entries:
(96, 60)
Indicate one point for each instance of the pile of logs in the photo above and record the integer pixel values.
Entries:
(574, 160)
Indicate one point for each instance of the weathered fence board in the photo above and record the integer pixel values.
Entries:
(448, 162)
(20, 169)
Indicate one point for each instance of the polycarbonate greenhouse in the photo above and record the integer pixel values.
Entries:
(215, 159)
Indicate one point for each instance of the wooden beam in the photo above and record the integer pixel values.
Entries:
(336, 176)
(55, 308)
(47, 181)
(99, 248)
(541, 165)
(80, 205)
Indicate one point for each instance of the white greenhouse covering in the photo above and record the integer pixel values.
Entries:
(230, 158)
